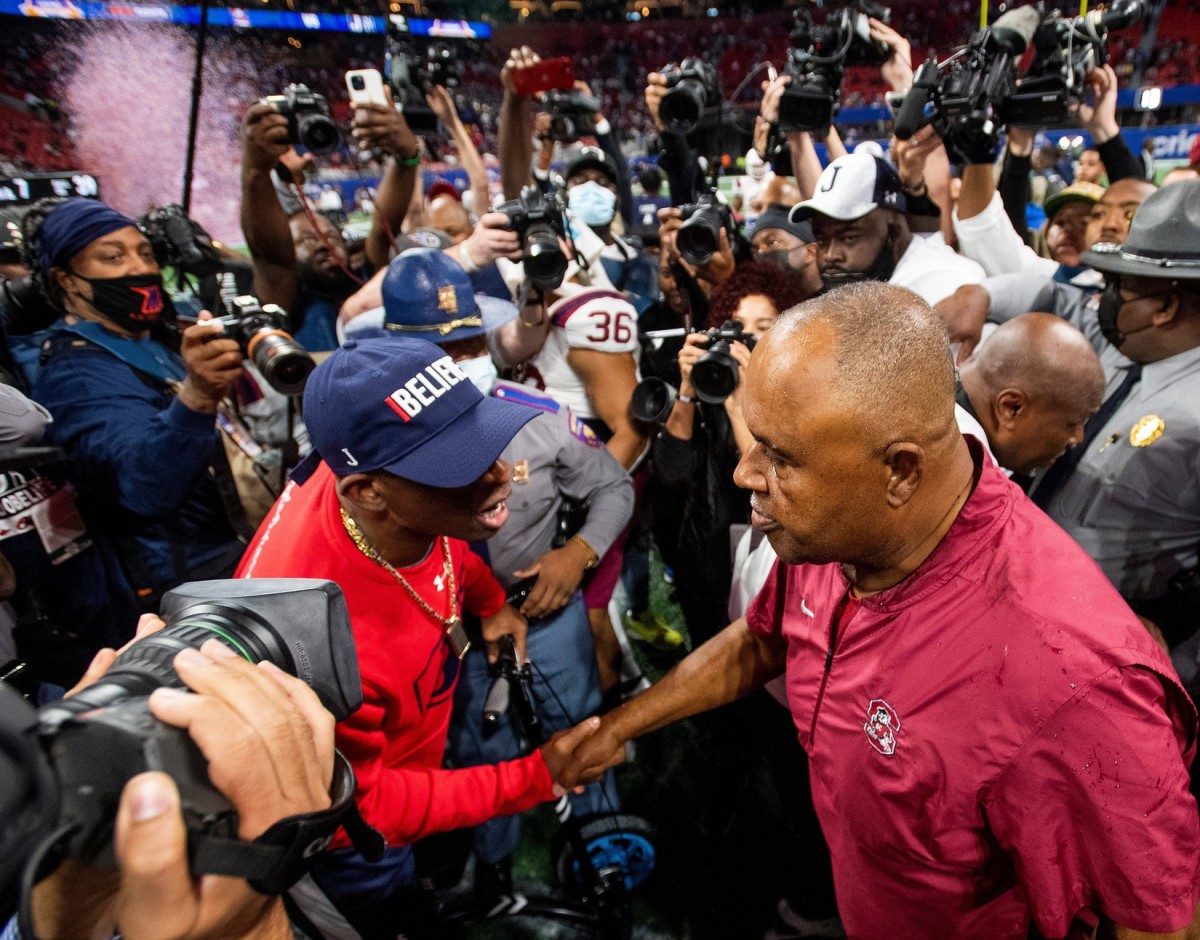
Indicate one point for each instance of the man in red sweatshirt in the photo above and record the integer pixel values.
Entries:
(405, 470)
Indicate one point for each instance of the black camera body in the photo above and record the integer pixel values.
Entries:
(310, 122)
(700, 234)
(572, 114)
(179, 242)
(263, 332)
(978, 93)
(693, 88)
(538, 221)
(64, 768)
(818, 58)
(415, 70)
(715, 374)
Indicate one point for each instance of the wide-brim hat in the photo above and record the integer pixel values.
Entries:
(427, 294)
(1163, 239)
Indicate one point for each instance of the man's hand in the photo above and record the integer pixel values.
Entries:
(768, 108)
(559, 573)
(1100, 117)
(506, 620)
(541, 127)
(441, 103)
(963, 314)
(491, 239)
(896, 71)
(910, 156)
(656, 87)
(213, 363)
(580, 755)
(522, 58)
(378, 126)
(1020, 141)
(264, 138)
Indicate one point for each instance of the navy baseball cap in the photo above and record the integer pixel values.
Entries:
(400, 404)
(850, 187)
(426, 293)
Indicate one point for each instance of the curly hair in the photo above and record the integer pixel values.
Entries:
(748, 279)
(31, 227)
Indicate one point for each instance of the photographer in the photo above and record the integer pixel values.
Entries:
(300, 261)
(136, 418)
(267, 777)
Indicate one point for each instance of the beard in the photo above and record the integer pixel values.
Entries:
(880, 269)
(331, 283)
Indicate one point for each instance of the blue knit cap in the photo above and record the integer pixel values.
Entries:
(71, 227)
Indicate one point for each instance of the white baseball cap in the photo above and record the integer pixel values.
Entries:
(852, 186)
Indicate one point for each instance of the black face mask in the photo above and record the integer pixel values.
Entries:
(881, 269)
(1111, 303)
(133, 303)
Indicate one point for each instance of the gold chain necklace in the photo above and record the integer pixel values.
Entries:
(453, 624)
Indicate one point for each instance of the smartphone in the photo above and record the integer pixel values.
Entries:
(366, 87)
(547, 75)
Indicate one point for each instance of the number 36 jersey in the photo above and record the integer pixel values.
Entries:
(597, 319)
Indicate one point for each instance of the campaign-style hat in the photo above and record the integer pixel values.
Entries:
(591, 158)
(1089, 193)
(852, 186)
(1163, 239)
(427, 294)
(401, 404)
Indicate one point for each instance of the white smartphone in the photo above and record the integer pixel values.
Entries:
(366, 87)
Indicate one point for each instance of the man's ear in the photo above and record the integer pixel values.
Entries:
(359, 489)
(906, 466)
(1007, 407)
(1169, 312)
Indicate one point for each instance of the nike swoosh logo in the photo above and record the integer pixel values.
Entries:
(804, 609)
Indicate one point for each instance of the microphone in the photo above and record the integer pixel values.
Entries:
(1013, 32)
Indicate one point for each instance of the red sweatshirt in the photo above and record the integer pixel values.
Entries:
(395, 741)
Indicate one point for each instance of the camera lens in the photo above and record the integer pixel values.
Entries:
(652, 401)
(283, 362)
(715, 374)
(807, 106)
(700, 236)
(545, 262)
(357, 82)
(681, 107)
(317, 132)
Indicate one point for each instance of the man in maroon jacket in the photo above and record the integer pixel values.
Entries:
(994, 739)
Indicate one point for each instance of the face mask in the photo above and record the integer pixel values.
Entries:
(881, 269)
(750, 222)
(132, 303)
(592, 203)
(481, 371)
(1111, 303)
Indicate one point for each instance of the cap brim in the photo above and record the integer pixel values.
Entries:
(1052, 205)
(1120, 263)
(589, 164)
(462, 451)
(804, 211)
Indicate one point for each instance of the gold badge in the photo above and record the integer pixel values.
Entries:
(447, 300)
(1148, 430)
(521, 471)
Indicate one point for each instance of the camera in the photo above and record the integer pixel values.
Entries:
(700, 234)
(62, 768)
(309, 122)
(572, 114)
(715, 374)
(538, 222)
(977, 92)
(262, 332)
(414, 71)
(179, 242)
(818, 58)
(694, 87)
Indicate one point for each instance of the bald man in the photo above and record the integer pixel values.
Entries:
(449, 215)
(1032, 386)
(993, 737)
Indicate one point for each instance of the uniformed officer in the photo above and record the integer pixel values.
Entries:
(1128, 493)
(554, 457)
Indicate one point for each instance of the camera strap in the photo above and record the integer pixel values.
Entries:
(281, 856)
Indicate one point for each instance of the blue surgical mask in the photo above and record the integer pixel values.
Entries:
(592, 203)
(748, 225)
(481, 371)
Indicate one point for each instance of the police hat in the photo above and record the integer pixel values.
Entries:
(1163, 240)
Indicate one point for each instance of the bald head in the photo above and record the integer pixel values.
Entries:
(450, 216)
(1033, 384)
(894, 371)
(779, 191)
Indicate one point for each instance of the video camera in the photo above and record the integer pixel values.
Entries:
(971, 98)
(694, 88)
(180, 243)
(310, 123)
(572, 114)
(818, 59)
(538, 221)
(262, 330)
(414, 70)
(62, 768)
(715, 374)
(699, 236)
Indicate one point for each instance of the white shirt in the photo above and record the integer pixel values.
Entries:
(934, 271)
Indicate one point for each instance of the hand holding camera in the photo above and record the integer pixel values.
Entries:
(264, 137)
(518, 59)
(213, 364)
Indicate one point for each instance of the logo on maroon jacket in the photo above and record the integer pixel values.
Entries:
(882, 726)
